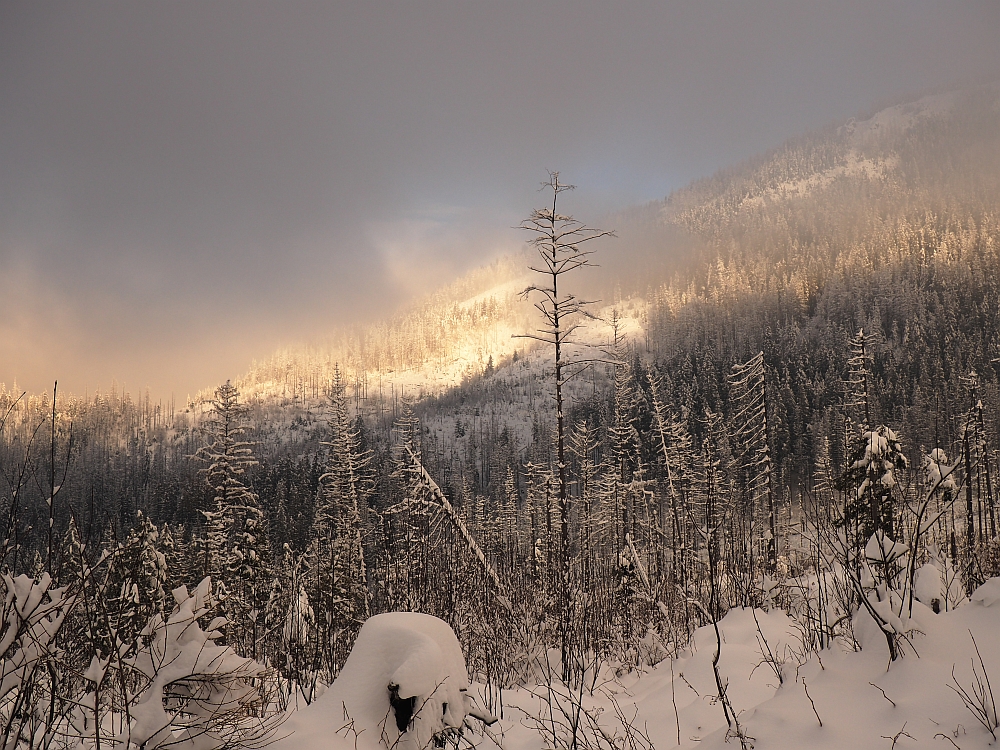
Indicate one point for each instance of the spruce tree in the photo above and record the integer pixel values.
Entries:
(139, 581)
(236, 549)
(338, 532)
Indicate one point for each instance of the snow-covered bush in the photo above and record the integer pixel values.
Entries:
(33, 612)
(194, 694)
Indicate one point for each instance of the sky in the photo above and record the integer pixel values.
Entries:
(187, 186)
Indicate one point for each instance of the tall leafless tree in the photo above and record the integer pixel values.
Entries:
(563, 246)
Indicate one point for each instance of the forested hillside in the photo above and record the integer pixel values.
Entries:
(451, 334)
(886, 226)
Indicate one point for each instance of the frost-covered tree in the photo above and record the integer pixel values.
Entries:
(508, 517)
(140, 579)
(858, 400)
(341, 576)
(236, 544)
(675, 455)
(539, 481)
(873, 475)
(406, 524)
(622, 440)
(712, 505)
(750, 436)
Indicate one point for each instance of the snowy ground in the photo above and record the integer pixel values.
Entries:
(840, 698)
(862, 699)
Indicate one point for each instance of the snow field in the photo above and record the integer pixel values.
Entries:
(862, 700)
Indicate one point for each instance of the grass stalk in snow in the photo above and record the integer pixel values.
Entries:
(978, 698)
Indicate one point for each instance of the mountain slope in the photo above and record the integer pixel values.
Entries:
(449, 335)
(886, 224)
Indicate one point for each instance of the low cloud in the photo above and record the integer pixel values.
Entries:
(184, 187)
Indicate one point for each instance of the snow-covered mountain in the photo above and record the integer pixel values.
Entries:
(792, 217)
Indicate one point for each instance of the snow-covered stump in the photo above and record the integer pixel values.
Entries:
(404, 686)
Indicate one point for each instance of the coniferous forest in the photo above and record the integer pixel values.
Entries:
(795, 409)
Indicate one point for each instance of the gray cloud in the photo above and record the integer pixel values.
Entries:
(184, 186)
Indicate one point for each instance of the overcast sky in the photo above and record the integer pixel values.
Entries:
(186, 186)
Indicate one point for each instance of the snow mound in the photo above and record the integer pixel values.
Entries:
(988, 594)
(928, 587)
(403, 686)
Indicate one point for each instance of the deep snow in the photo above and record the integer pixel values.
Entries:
(838, 698)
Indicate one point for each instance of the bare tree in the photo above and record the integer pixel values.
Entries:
(560, 240)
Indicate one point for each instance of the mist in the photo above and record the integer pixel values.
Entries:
(185, 187)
